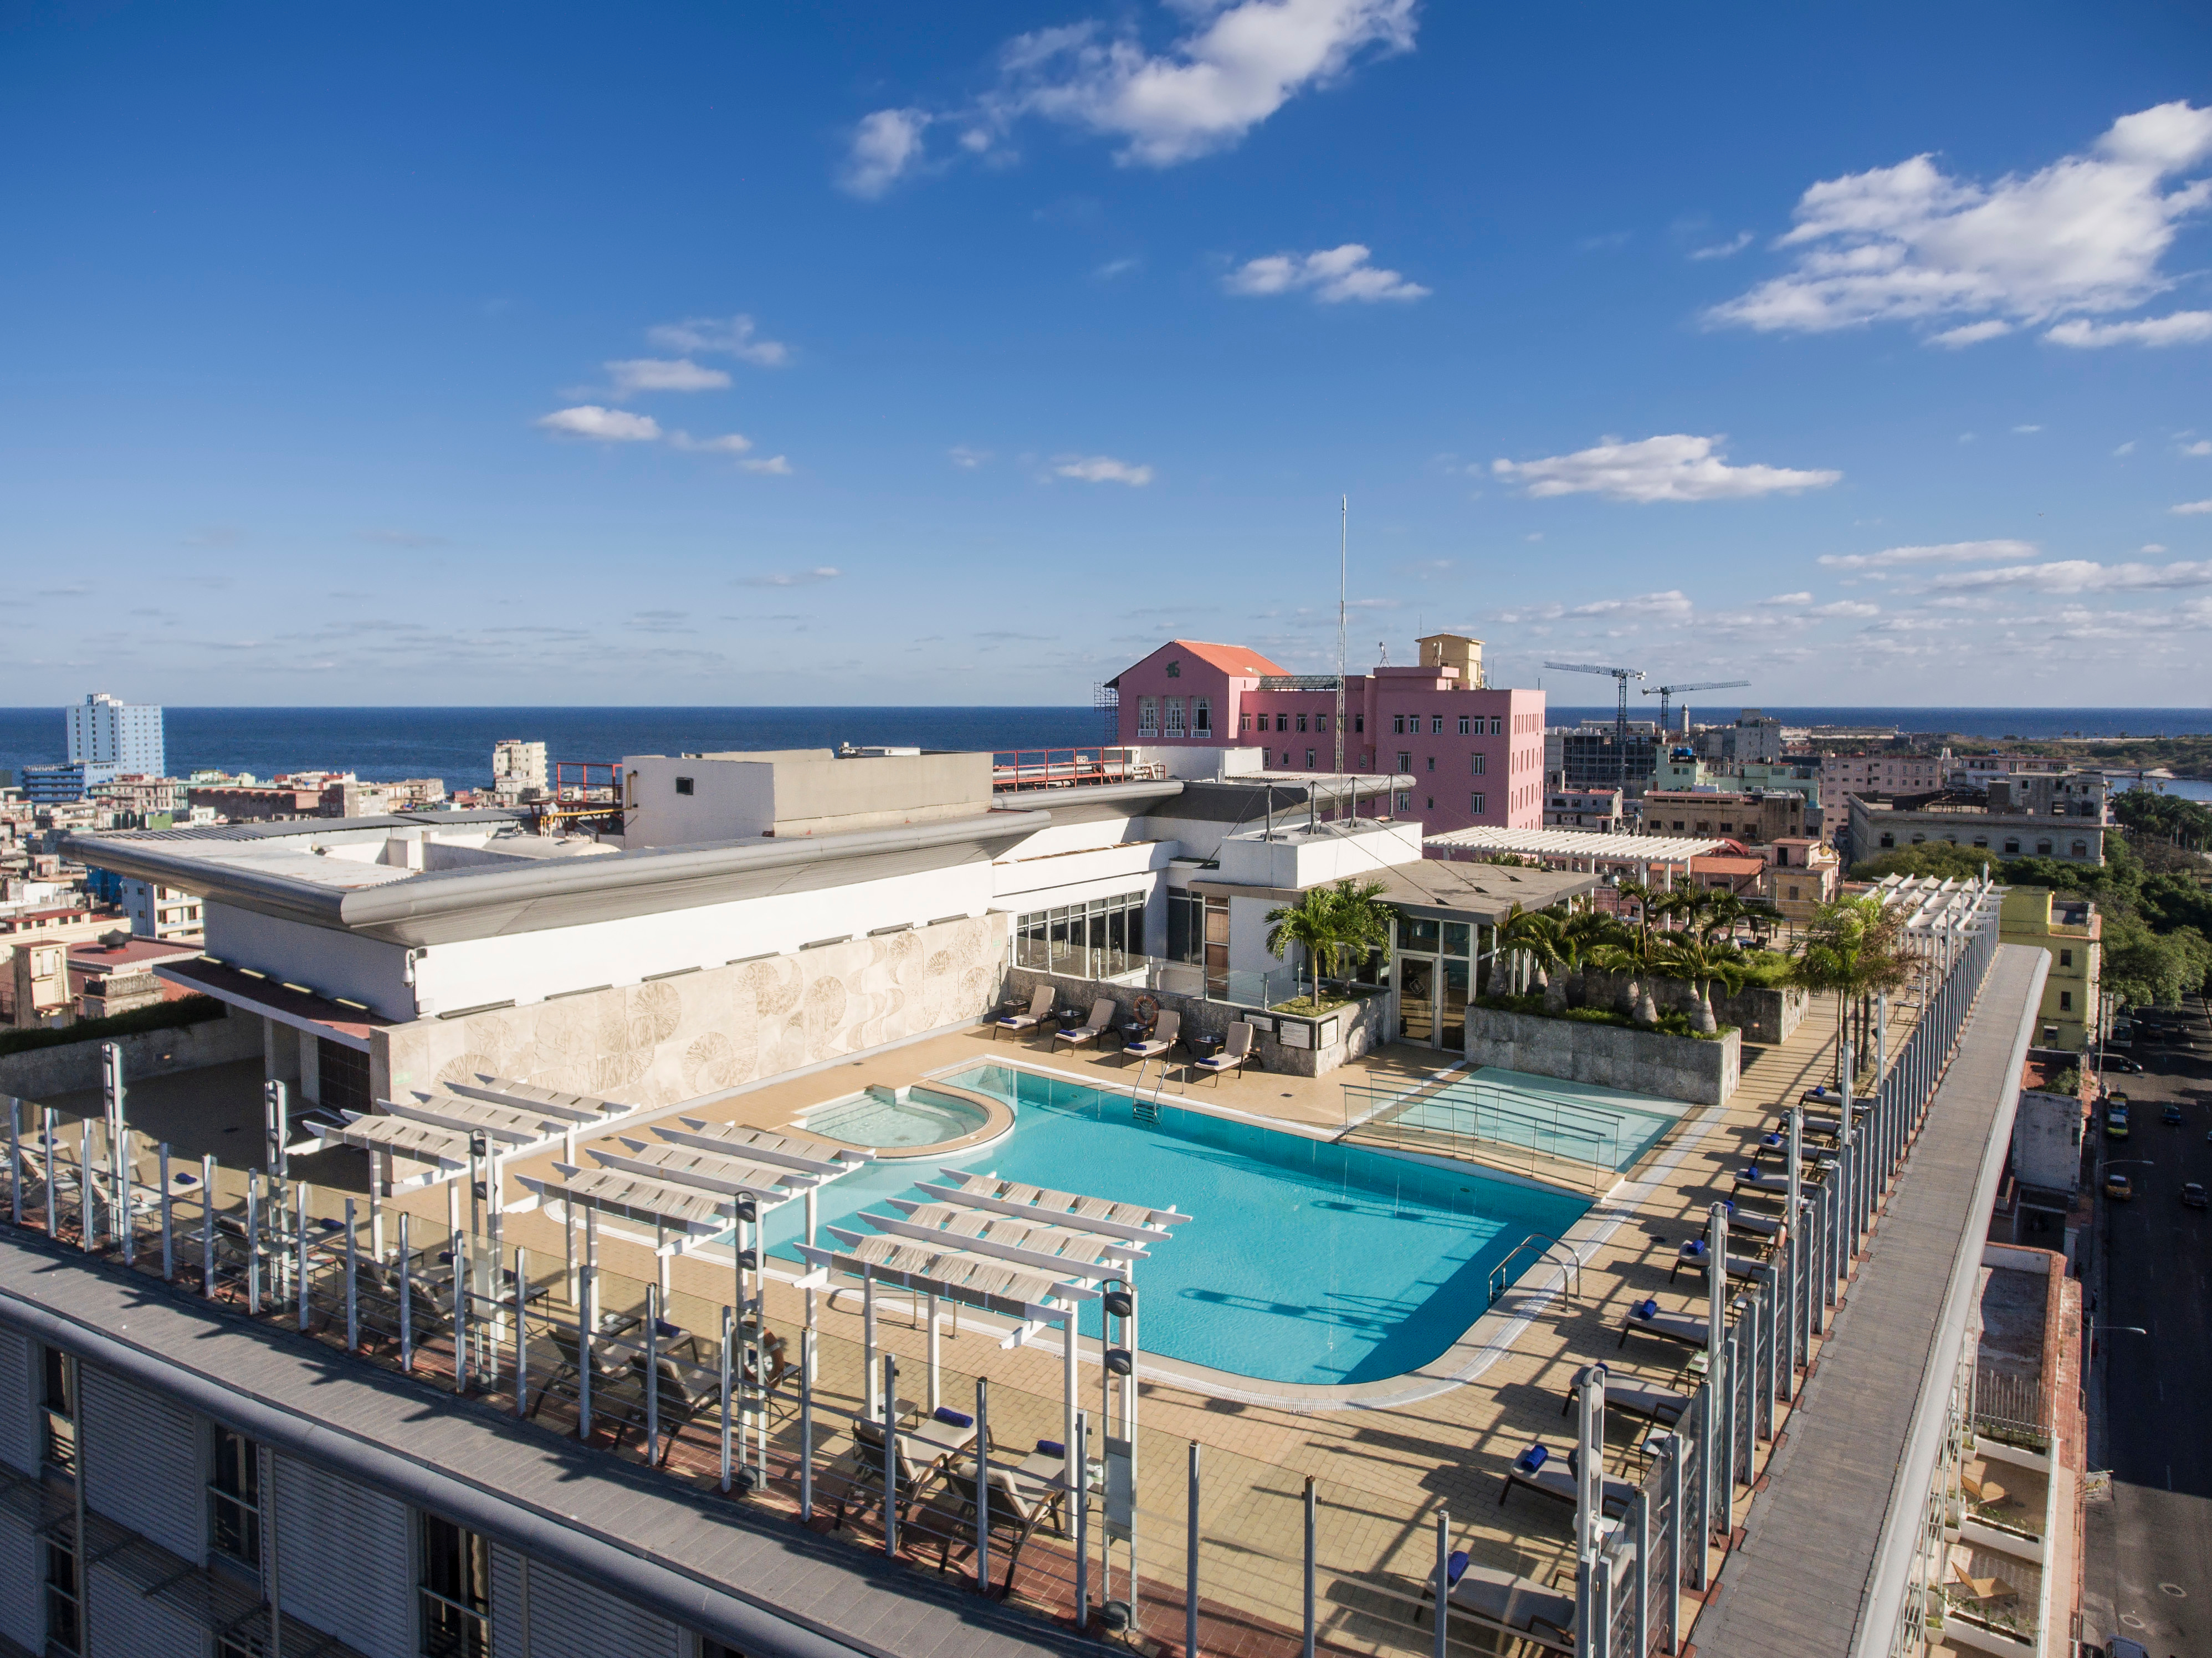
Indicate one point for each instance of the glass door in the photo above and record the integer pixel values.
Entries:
(1417, 1000)
(1451, 1015)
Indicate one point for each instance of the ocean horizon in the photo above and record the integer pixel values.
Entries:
(455, 744)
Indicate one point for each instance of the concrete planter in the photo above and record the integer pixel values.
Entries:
(1614, 1056)
(43, 1072)
(1286, 1045)
(1766, 1017)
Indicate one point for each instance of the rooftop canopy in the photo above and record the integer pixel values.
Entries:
(433, 1132)
(1576, 845)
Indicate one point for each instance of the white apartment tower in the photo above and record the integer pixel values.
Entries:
(117, 738)
(518, 766)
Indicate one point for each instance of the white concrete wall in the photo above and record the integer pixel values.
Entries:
(2046, 1140)
(730, 799)
(328, 961)
(1305, 860)
(1072, 877)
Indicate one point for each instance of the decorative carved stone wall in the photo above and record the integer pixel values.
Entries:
(672, 1040)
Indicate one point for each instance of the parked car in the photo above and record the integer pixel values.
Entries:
(2171, 1113)
(2122, 1064)
(2118, 1188)
(2192, 1196)
(2114, 1097)
(2116, 1123)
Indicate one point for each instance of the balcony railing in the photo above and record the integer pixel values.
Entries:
(1015, 769)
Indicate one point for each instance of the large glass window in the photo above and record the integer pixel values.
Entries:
(1148, 716)
(64, 1612)
(1201, 715)
(58, 1412)
(456, 1591)
(1176, 717)
(234, 1499)
(1099, 940)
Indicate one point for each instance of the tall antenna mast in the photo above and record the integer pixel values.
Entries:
(1343, 546)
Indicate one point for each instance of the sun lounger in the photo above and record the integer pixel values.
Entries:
(1556, 1480)
(1022, 1023)
(1688, 1328)
(1509, 1603)
(1019, 1504)
(1692, 1254)
(918, 1461)
(1750, 1178)
(1234, 1057)
(1101, 1021)
(1167, 1029)
(1756, 1225)
(1659, 1404)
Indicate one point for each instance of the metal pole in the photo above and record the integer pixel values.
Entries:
(1069, 1416)
(587, 1325)
(1308, 1649)
(891, 1455)
(53, 1147)
(869, 1400)
(352, 1283)
(300, 1249)
(1190, 1549)
(1670, 1449)
(1076, 1473)
(168, 1235)
(982, 1473)
(16, 1161)
(1589, 1510)
(933, 1353)
(461, 1311)
(1640, 1584)
(406, 1299)
(84, 1185)
(207, 1223)
(651, 1374)
(112, 1100)
(522, 1331)
(1443, 1582)
(805, 1426)
(252, 1244)
(729, 1333)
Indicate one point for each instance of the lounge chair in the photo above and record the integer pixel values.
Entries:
(860, 1470)
(1692, 1254)
(1167, 1030)
(1509, 1603)
(615, 1393)
(1018, 1506)
(1750, 1178)
(1688, 1328)
(1101, 1021)
(1022, 1023)
(685, 1392)
(1235, 1055)
(1754, 1224)
(1661, 1405)
(1556, 1480)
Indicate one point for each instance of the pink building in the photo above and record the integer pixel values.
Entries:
(1475, 754)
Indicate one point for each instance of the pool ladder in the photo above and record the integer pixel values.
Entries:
(1144, 1109)
(1571, 1277)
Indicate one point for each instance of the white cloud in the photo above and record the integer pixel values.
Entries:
(1948, 552)
(1845, 607)
(886, 146)
(1789, 598)
(1912, 243)
(1727, 250)
(2127, 448)
(638, 374)
(792, 578)
(2202, 446)
(1333, 275)
(730, 443)
(724, 337)
(1672, 605)
(767, 466)
(1678, 467)
(2188, 508)
(1103, 469)
(2152, 547)
(2181, 328)
(2025, 429)
(1973, 333)
(968, 459)
(1241, 61)
(2082, 575)
(589, 420)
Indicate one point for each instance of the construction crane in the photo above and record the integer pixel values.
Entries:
(1664, 692)
(1619, 719)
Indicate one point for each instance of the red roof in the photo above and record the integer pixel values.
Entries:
(134, 952)
(1237, 661)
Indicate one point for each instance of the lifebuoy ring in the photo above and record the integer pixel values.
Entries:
(1148, 1009)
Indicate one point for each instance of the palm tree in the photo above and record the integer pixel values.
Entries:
(1580, 937)
(1632, 892)
(1359, 923)
(1724, 911)
(1634, 956)
(1701, 962)
(1311, 925)
(1854, 947)
(1538, 938)
(1683, 901)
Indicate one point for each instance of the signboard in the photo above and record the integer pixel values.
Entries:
(1293, 1033)
(1329, 1034)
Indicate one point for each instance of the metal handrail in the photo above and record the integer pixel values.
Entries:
(1574, 1264)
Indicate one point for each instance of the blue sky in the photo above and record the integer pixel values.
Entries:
(873, 354)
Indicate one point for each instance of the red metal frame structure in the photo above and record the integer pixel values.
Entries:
(577, 796)
(1015, 769)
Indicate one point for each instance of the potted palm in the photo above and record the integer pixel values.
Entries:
(1700, 962)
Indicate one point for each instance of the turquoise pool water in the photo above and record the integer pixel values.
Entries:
(920, 1119)
(1605, 1125)
(1305, 1261)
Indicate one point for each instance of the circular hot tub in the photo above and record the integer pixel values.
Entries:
(923, 1120)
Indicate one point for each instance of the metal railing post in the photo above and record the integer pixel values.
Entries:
(1443, 1587)
(651, 1374)
(84, 1185)
(352, 1284)
(728, 1332)
(1191, 1492)
(252, 1244)
(169, 1235)
(1671, 1450)
(805, 1426)
(460, 1315)
(406, 1299)
(52, 1148)
(300, 1249)
(16, 1161)
(982, 1476)
(891, 1455)
(1308, 1649)
(207, 1225)
(522, 1331)
(1075, 1470)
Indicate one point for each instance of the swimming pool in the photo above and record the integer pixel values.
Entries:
(878, 1121)
(1586, 1121)
(1305, 1261)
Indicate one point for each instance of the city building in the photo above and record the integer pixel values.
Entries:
(1475, 754)
(60, 785)
(349, 797)
(114, 973)
(1881, 774)
(39, 984)
(2039, 815)
(1753, 735)
(1802, 873)
(157, 911)
(1581, 757)
(1750, 818)
(110, 738)
(142, 798)
(518, 769)
(263, 803)
(1599, 809)
(2071, 933)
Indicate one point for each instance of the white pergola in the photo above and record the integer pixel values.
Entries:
(1938, 912)
(1587, 850)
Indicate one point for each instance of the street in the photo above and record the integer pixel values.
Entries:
(2148, 1566)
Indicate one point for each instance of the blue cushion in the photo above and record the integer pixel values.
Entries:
(1772, 1140)
(1454, 1566)
(664, 1329)
(1751, 1171)
(1532, 1459)
(1645, 1308)
(1051, 1448)
(1728, 1203)
(1694, 1247)
(957, 1419)
(188, 1180)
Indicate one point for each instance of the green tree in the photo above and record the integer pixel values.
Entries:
(1702, 962)
(1937, 858)
(1634, 956)
(1853, 948)
(1536, 937)
(1359, 923)
(1309, 926)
